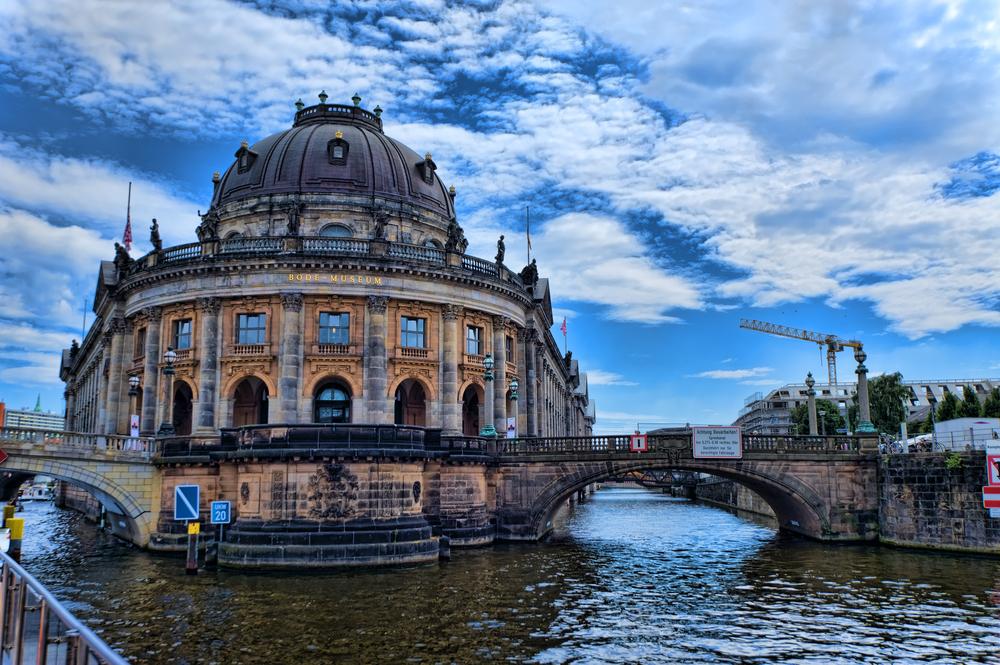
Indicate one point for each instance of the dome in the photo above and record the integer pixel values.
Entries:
(334, 149)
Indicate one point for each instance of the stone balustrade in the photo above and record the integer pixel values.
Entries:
(142, 447)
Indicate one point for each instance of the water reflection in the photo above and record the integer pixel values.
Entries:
(633, 576)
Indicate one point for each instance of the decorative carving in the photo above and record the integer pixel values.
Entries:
(117, 325)
(123, 262)
(154, 237)
(378, 304)
(450, 312)
(529, 274)
(333, 492)
(153, 314)
(209, 305)
(456, 238)
(292, 301)
(208, 230)
(499, 323)
(379, 220)
(501, 250)
(294, 219)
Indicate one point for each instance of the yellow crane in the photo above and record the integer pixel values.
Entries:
(832, 343)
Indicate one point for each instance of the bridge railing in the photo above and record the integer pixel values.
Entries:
(36, 628)
(142, 447)
(807, 444)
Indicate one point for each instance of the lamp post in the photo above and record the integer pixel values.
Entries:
(514, 385)
(865, 425)
(822, 422)
(167, 426)
(488, 429)
(133, 395)
(811, 394)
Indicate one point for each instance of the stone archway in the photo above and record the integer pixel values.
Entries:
(410, 404)
(250, 402)
(332, 402)
(472, 409)
(183, 408)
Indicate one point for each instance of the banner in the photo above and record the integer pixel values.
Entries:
(512, 428)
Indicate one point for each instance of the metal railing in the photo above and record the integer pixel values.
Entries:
(36, 628)
(130, 446)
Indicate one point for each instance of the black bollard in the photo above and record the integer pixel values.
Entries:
(191, 567)
(444, 548)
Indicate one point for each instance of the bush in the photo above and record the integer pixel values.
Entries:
(953, 461)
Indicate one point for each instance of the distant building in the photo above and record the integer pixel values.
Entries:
(32, 418)
(771, 413)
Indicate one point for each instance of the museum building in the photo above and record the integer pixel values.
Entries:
(329, 284)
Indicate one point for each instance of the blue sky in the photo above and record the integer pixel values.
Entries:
(826, 165)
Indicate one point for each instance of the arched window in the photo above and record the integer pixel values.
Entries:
(431, 242)
(332, 404)
(336, 231)
(233, 234)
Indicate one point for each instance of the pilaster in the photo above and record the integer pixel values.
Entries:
(290, 357)
(116, 333)
(151, 371)
(208, 344)
(451, 357)
(375, 361)
(500, 375)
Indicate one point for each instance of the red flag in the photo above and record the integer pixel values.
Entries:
(562, 328)
(127, 236)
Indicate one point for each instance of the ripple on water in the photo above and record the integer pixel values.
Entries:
(633, 576)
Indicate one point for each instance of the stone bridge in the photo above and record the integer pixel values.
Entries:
(116, 470)
(821, 487)
(310, 495)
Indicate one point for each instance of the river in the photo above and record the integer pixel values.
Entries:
(632, 576)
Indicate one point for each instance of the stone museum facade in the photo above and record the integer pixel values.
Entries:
(329, 285)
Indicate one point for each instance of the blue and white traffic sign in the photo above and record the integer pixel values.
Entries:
(186, 502)
(221, 512)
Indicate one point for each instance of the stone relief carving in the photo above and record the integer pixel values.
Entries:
(378, 304)
(210, 305)
(333, 493)
(292, 301)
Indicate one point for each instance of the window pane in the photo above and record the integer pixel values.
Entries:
(411, 332)
(336, 231)
(334, 328)
(251, 329)
(182, 334)
(472, 337)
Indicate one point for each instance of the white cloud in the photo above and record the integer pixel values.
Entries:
(599, 377)
(732, 373)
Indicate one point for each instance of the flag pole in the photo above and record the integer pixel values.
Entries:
(527, 229)
(127, 235)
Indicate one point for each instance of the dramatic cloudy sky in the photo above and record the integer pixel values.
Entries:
(829, 165)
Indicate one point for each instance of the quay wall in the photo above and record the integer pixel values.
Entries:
(925, 504)
(80, 500)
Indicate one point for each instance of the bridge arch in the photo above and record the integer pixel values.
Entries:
(129, 519)
(796, 506)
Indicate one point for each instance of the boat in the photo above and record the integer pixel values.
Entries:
(37, 493)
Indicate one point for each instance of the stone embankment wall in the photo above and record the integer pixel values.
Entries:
(732, 495)
(923, 503)
(74, 498)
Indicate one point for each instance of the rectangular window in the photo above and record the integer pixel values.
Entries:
(251, 329)
(140, 343)
(509, 347)
(473, 340)
(334, 328)
(182, 334)
(411, 332)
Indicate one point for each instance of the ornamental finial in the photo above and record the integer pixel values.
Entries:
(356, 99)
(323, 96)
(377, 111)
(299, 104)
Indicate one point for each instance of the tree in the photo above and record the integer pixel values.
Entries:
(948, 408)
(991, 407)
(886, 397)
(969, 408)
(829, 423)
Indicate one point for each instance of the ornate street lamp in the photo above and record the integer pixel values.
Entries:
(167, 426)
(133, 394)
(488, 429)
(514, 385)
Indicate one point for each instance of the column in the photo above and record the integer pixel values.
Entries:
(530, 376)
(208, 361)
(375, 361)
(151, 371)
(500, 375)
(811, 394)
(290, 358)
(864, 410)
(70, 395)
(450, 358)
(116, 330)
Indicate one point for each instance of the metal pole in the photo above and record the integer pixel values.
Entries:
(42, 654)
(191, 566)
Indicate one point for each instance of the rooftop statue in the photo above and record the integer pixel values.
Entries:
(154, 237)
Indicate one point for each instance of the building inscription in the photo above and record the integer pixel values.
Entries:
(335, 279)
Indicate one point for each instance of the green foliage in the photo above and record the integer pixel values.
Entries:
(969, 408)
(886, 396)
(953, 461)
(948, 408)
(991, 407)
(929, 422)
(827, 423)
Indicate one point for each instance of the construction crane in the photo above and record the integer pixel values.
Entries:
(832, 343)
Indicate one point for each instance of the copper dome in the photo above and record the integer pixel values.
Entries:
(304, 160)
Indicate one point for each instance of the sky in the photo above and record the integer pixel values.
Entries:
(830, 165)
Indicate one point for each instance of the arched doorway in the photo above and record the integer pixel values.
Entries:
(471, 405)
(411, 404)
(183, 399)
(250, 402)
(332, 403)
